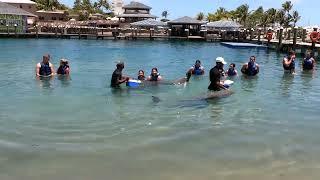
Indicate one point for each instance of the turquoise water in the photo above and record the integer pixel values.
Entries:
(79, 128)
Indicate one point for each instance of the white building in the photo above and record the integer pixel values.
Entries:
(116, 7)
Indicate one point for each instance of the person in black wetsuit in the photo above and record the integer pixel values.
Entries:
(45, 68)
(215, 75)
(117, 77)
(289, 62)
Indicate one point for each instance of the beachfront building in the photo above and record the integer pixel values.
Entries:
(13, 19)
(57, 15)
(185, 26)
(136, 11)
(26, 5)
(117, 7)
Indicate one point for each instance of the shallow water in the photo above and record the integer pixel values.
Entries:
(79, 128)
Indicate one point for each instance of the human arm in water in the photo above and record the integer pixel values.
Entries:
(38, 66)
(244, 68)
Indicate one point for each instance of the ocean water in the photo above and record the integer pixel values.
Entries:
(80, 129)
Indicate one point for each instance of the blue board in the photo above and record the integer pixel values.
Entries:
(243, 45)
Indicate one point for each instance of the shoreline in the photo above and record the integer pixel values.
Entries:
(286, 45)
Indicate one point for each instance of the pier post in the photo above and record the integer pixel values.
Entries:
(251, 34)
(259, 35)
(289, 34)
(304, 33)
(37, 31)
(187, 32)
(205, 34)
(295, 29)
(15, 29)
(280, 38)
(7, 28)
(313, 46)
(79, 32)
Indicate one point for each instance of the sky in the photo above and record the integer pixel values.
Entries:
(177, 8)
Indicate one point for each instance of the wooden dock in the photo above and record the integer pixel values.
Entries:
(299, 47)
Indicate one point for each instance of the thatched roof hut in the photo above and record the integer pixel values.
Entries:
(136, 5)
(224, 25)
(148, 23)
(186, 21)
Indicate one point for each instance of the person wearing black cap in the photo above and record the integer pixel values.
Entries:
(117, 77)
(196, 69)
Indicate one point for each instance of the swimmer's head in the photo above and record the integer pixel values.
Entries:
(154, 71)
(120, 65)
(46, 58)
(198, 63)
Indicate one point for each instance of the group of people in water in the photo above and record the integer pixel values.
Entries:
(216, 75)
(46, 69)
(289, 64)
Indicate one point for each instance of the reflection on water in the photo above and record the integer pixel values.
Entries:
(45, 82)
(286, 83)
(64, 79)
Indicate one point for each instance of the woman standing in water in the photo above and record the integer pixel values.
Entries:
(289, 62)
(154, 76)
(64, 68)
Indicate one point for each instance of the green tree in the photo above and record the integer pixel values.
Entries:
(243, 12)
(77, 5)
(165, 14)
(296, 17)
(200, 16)
(281, 17)
(287, 6)
(272, 15)
(50, 5)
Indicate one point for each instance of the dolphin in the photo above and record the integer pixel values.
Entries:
(203, 101)
(155, 99)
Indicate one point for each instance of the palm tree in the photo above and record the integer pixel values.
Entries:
(77, 5)
(296, 17)
(211, 17)
(281, 17)
(272, 15)
(233, 15)
(200, 16)
(243, 12)
(165, 14)
(49, 5)
(104, 4)
(221, 13)
(287, 6)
